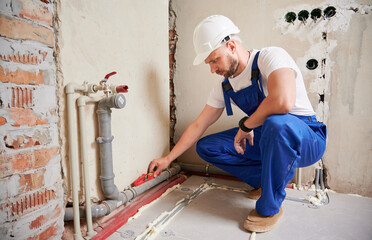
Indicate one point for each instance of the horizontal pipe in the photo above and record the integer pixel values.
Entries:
(115, 222)
(130, 193)
(207, 169)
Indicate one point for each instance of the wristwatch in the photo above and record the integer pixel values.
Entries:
(242, 127)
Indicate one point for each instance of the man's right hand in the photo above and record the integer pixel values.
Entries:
(158, 165)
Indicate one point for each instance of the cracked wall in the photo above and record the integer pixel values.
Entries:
(336, 39)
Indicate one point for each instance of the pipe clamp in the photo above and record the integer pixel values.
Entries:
(105, 140)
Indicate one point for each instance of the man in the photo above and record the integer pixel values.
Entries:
(280, 126)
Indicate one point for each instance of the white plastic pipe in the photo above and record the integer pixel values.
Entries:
(83, 151)
(72, 136)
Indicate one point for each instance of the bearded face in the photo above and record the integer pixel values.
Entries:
(233, 67)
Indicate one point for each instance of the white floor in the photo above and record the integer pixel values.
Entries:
(217, 210)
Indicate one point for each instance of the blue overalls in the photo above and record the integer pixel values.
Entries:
(283, 143)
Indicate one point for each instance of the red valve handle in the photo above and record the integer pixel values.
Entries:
(122, 88)
(109, 75)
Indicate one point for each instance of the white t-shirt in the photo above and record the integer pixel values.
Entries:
(269, 60)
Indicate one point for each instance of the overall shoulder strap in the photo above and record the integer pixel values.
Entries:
(255, 73)
(226, 87)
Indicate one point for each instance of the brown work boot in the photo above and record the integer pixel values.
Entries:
(256, 222)
(254, 194)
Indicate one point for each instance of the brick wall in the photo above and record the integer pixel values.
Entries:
(31, 194)
(173, 38)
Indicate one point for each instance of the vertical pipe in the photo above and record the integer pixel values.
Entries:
(83, 150)
(70, 90)
(298, 179)
(105, 139)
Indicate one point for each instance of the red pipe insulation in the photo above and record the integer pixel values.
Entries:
(114, 223)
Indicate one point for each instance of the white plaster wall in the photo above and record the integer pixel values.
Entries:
(262, 24)
(130, 37)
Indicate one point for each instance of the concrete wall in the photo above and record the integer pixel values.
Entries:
(130, 37)
(31, 193)
(338, 88)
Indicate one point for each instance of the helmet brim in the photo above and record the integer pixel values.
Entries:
(200, 58)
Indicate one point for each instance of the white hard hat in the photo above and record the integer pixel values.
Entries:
(210, 33)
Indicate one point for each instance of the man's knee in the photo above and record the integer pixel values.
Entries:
(202, 145)
(275, 125)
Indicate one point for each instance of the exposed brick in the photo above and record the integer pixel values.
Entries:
(43, 156)
(38, 222)
(30, 202)
(49, 233)
(22, 162)
(21, 77)
(25, 58)
(25, 117)
(29, 139)
(2, 121)
(36, 11)
(21, 97)
(20, 142)
(32, 181)
(18, 29)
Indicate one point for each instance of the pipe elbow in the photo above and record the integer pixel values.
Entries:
(114, 101)
(72, 87)
(111, 192)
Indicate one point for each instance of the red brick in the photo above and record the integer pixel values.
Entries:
(21, 77)
(2, 121)
(38, 222)
(21, 142)
(25, 58)
(20, 162)
(44, 54)
(36, 11)
(49, 233)
(27, 203)
(18, 29)
(43, 156)
(32, 181)
(25, 117)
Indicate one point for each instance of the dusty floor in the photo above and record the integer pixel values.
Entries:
(218, 209)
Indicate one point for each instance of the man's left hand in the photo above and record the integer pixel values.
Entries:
(240, 140)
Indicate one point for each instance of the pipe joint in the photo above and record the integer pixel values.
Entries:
(105, 140)
(114, 101)
(133, 192)
(107, 178)
(72, 87)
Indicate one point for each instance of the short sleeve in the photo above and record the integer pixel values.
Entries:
(215, 98)
(273, 58)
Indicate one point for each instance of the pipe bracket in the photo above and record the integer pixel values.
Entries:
(105, 140)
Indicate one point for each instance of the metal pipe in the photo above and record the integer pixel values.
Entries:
(128, 194)
(83, 150)
(74, 166)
